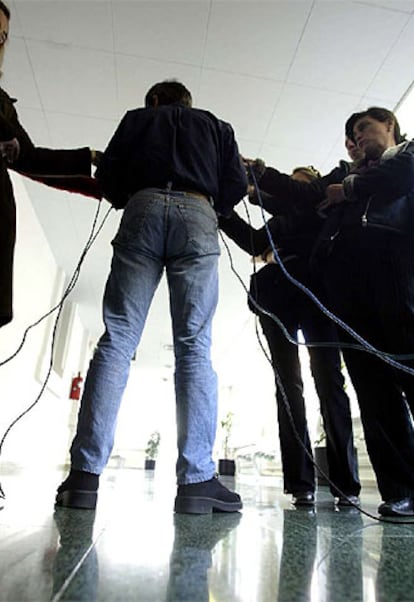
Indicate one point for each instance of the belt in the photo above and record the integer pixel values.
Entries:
(198, 195)
(189, 193)
(192, 193)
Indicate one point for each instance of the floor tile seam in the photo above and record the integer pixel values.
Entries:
(58, 595)
(342, 541)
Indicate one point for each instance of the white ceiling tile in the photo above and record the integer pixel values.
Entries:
(344, 45)
(86, 23)
(135, 76)
(84, 212)
(400, 5)
(234, 56)
(53, 210)
(174, 30)
(285, 158)
(18, 79)
(15, 28)
(74, 80)
(338, 152)
(255, 38)
(396, 74)
(71, 131)
(67, 221)
(250, 148)
(246, 102)
(35, 124)
(375, 101)
(300, 123)
(405, 115)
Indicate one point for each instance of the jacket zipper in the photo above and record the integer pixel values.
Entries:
(364, 218)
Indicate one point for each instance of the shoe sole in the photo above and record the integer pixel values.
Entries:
(394, 513)
(77, 498)
(204, 505)
(348, 504)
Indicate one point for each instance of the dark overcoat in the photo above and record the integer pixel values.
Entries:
(64, 169)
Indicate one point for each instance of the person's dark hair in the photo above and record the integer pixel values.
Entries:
(5, 10)
(379, 114)
(168, 92)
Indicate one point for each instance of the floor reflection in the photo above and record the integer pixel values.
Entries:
(75, 569)
(298, 554)
(395, 576)
(194, 540)
(134, 547)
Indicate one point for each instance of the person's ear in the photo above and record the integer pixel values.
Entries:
(155, 101)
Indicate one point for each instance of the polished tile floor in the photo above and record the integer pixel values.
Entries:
(133, 548)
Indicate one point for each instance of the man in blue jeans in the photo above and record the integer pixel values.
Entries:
(173, 168)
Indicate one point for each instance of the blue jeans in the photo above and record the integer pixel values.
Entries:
(179, 232)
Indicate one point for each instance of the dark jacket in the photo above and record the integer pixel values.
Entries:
(294, 237)
(45, 165)
(294, 227)
(380, 196)
(284, 195)
(379, 200)
(189, 149)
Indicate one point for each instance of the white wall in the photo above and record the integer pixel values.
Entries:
(38, 284)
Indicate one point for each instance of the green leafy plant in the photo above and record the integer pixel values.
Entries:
(320, 440)
(226, 425)
(151, 451)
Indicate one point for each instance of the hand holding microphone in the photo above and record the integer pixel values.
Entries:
(10, 150)
(334, 195)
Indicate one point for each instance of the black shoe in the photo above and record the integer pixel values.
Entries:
(402, 507)
(208, 496)
(303, 498)
(347, 501)
(79, 490)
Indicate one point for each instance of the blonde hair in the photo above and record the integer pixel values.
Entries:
(308, 171)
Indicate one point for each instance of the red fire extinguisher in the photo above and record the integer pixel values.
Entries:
(75, 389)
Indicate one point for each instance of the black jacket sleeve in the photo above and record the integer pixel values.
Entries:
(233, 180)
(253, 241)
(285, 195)
(65, 169)
(391, 179)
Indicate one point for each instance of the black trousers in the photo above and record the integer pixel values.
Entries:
(296, 311)
(370, 280)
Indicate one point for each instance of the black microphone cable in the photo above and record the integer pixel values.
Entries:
(75, 276)
(295, 342)
(286, 403)
(70, 286)
(386, 357)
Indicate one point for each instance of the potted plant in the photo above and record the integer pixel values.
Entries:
(320, 457)
(151, 451)
(227, 465)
